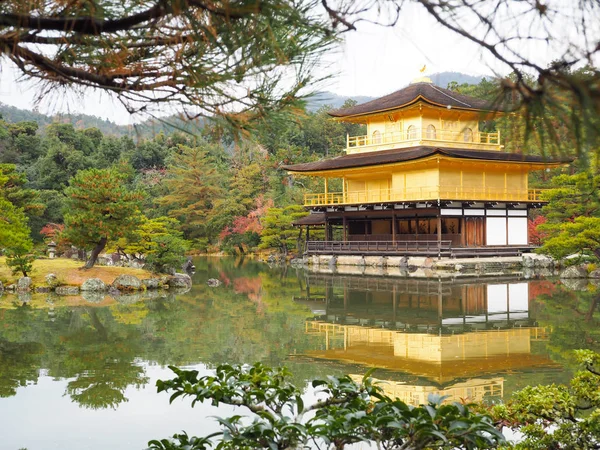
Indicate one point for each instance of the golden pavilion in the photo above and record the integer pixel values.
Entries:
(423, 180)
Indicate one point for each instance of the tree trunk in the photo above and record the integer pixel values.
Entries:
(95, 252)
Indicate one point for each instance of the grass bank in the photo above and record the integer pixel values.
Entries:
(69, 272)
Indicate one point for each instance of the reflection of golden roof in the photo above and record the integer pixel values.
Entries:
(474, 390)
(440, 358)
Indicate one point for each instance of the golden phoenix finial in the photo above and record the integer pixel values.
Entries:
(423, 68)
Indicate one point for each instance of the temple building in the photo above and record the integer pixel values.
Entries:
(423, 180)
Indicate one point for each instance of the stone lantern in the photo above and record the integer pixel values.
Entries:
(52, 250)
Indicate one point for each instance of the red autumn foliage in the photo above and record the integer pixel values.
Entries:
(536, 236)
(249, 223)
(51, 230)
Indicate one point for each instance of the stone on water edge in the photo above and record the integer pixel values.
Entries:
(394, 261)
(325, 259)
(151, 283)
(94, 285)
(213, 282)
(528, 260)
(1, 287)
(594, 273)
(374, 261)
(24, 284)
(127, 283)
(428, 263)
(180, 280)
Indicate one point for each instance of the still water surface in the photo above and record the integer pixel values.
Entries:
(81, 375)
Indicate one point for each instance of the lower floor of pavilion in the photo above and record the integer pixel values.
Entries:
(443, 229)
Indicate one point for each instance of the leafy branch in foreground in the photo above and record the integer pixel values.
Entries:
(558, 416)
(346, 413)
(219, 56)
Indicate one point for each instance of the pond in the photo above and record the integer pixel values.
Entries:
(81, 375)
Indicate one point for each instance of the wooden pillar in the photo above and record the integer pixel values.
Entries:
(416, 227)
(307, 233)
(393, 227)
(344, 228)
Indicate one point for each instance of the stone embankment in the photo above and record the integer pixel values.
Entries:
(529, 263)
(94, 289)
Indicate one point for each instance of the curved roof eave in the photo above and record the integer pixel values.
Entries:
(420, 97)
(395, 156)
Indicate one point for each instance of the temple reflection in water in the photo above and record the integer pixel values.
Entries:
(452, 338)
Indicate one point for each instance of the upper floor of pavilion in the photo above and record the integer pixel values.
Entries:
(421, 114)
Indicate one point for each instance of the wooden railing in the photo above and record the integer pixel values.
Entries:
(417, 134)
(422, 193)
(425, 248)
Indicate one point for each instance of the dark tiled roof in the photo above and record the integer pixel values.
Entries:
(402, 155)
(410, 94)
(311, 219)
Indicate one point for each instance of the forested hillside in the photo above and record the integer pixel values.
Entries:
(221, 191)
(217, 187)
(170, 124)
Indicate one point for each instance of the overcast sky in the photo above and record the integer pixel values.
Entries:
(373, 61)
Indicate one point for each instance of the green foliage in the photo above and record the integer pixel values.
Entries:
(558, 416)
(159, 242)
(15, 237)
(100, 207)
(346, 413)
(582, 236)
(19, 260)
(60, 162)
(573, 213)
(278, 231)
(193, 187)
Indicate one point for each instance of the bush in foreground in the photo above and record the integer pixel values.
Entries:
(558, 416)
(346, 413)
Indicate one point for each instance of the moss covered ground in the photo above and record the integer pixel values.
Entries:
(69, 272)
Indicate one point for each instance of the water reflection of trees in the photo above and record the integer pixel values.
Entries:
(574, 317)
(98, 349)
